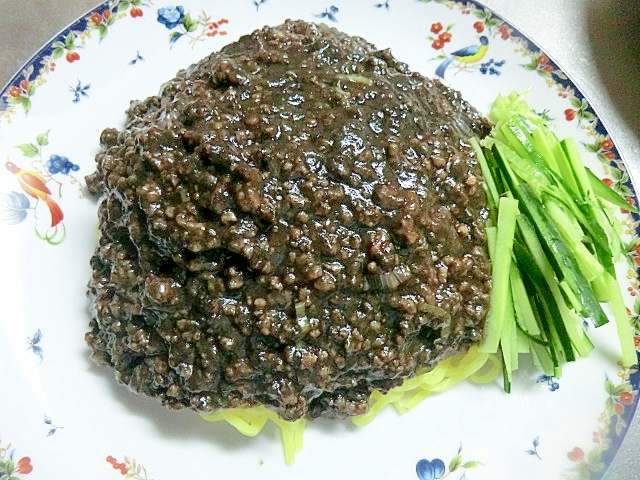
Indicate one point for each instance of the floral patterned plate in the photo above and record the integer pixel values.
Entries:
(63, 417)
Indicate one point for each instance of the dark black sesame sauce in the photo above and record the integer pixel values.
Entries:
(294, 221)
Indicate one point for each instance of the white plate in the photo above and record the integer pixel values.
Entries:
(63, 417)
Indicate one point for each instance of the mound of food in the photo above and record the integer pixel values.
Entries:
(295, 221)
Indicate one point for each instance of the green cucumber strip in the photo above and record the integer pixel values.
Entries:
(509, 344)
(506, 377)
(525, 315)
(515, 138)
(565, 258)
(544, 140)
(501, 265)
(543, 359)
(525, 169)
(570, 295)
(582, 213)
(554, 313)
(525, 148)
(489, 184)
(570, 148)
(564, 170)
(601, 220)
(601, 289)
(585, 185)
(563, 320)
(567, 239)
(523, 341)
(623, 324)
(545, 351)
(553, 347)
(504, 107)
(559, 334)
(573, 235)
(567, 224)
(561, 258)
(607, 193)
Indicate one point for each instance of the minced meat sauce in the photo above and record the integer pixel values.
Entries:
(294, 221)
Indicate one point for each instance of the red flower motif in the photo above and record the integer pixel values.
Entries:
(576, 454)
(136, 12)
(479, 26)
(15, 92)
(636, 339)
(630, 201)
(607, 181)
(445, 37)
(436, 27)
(569, 114)
(626, 398)
(24, 466)
(542, 59)
(97, 18)
(437, 44)
(504, 31)
(606, 144)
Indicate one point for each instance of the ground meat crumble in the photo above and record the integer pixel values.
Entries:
(294, 221)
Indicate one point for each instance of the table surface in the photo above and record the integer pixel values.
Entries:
(596, 42)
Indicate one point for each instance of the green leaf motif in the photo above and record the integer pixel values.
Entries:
(494, 23)
(592, 147)
(174, 36)
(624, 190)
(594, 456)
(609, 387)
(57, 53)
(102, 31)
(455, 463)
(70, 40)
(575, 102)
(43, 139)
(471, 464)
(190, 25)
(480, 14)
(623, 387)
(122, 6)
(29, 150)
(24, 101)
(9, 466)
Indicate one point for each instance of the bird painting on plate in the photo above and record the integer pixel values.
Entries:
(35, 186)
(467, 55)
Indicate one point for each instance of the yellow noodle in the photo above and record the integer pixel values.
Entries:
(471, 365)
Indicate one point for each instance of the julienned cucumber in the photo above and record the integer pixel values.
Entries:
(549, 210)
